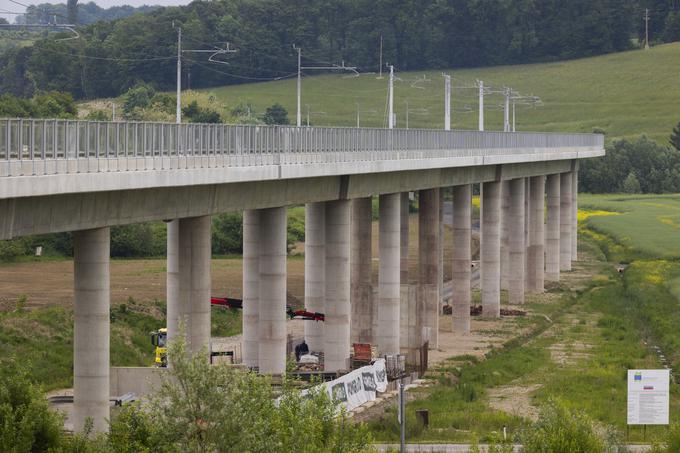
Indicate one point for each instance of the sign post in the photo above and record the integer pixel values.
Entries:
(648, 397)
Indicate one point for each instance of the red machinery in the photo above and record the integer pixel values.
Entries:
(236, 304)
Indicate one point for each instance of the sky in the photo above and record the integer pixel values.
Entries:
(15, 6)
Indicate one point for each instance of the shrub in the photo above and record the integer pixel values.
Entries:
(276, 114)
(26, 421)
(227, 233)
(560, 430)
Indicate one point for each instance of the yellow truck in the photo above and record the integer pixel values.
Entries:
(159, 339)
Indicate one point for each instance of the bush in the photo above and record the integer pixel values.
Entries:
(560, 430)
(276, 114)
(194, 113)
(200, 407)
(12, 248)
(137, 98)
(26, 422)
(138, 240)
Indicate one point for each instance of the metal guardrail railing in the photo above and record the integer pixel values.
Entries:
(39, 140)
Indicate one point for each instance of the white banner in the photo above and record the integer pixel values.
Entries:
(360, 386)
(648, 397)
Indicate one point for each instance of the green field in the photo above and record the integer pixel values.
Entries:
(648, 225)
(625, 94)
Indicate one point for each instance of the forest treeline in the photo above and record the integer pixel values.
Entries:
(86, 13)
(112, 56)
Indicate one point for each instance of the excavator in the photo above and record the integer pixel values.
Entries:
(159, 338)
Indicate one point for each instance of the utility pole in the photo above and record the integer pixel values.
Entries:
(506, 111)
(447, 102)
(299, 84)
(406, 113)
(513, 116)
(320, 68)
(178, 113)
(402, 419)
(307, 114)
(646, 18)
(390, 119)
(481, 105)
(381, 50)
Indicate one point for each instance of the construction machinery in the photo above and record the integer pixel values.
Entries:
(159, 338)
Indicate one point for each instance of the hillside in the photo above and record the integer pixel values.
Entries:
(626, 94)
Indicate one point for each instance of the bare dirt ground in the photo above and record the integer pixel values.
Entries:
(51, 282)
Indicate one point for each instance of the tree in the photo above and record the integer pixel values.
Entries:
(675, 137)
(136, 98)
(276, 114)
(72, 10)
(201, 407)
(631, 184)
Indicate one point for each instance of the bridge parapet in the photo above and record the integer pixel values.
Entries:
(44, 147)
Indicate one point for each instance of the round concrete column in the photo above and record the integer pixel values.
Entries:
(536, 261)
(429, 245)
(462, 257)
(516, 245)
(574, 216)
(315, 265)
(552, 241)
(527, 229)
(403, 247)
(172, 279)
(194, 281)
(251, 287)
(360, 271)
(337, 305)
(272, 328)
(389, 286)
(505, 229)
(491, 249)
(565, 221)
(92, 328)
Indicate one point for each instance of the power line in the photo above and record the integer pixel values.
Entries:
(241, 76)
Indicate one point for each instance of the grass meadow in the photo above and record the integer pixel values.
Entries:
(625, 94)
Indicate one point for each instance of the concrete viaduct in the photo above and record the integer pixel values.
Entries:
(84, 177)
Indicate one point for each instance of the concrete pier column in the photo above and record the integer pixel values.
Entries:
(462, 257)
(429, 245)
(361, 290)
(536, 261)
(315, 259)
(516, 245)
(552, 236)
(403, 246)
(527, 229)
(505, 228)
(337, 292)
(272, 291)
(574, 215)
(440, 264)
(92, 328)
(172, 309)
(565, 221)
(251, 287)
(194, 281)
(389, 274)
(490, 253)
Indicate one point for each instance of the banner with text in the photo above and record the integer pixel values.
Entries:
(359, 386)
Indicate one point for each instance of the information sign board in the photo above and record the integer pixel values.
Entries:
(648, 397)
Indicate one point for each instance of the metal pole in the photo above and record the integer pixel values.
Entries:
(506, 111)
(513, 116)
(402, 418)
(358, 114)
(447, 102)
(381, 50)
(481, 105)
(299, 87)
(178, 119)
(390, 119)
